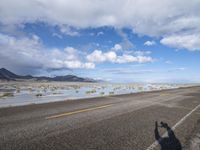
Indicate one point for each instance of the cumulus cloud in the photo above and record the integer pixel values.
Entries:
(176, 16)
(30, 53)
(190, 42)
(67, 30)
(111, 56)
(117, 47)
(129, 58)
(99, 56)
(149, 43)
(73, 54)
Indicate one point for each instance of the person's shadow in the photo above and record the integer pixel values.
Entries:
(167, 143)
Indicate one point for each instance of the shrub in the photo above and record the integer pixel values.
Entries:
(39, 95)
(102, 93)
(111, 93)
(8, 94)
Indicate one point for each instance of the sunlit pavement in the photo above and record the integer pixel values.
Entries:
(113, 122)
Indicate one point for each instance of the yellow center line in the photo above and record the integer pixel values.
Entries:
(77, 111)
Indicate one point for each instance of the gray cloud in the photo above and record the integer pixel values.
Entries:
(162, 19)
(30, 53)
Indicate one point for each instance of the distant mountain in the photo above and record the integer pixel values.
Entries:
(7, 75)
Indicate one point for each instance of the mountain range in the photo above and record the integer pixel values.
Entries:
(6, 75)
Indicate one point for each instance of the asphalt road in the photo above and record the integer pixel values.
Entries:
(114, 122)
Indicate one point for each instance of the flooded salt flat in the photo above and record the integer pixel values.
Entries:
(24, 93)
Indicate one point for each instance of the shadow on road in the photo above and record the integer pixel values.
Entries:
(167, 143)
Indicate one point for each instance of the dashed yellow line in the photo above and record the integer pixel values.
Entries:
(78, 111)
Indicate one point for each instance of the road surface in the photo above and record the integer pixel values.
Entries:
(113, 122)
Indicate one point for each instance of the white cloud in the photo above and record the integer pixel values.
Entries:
(68, 30)
(117, 47)
(176, 16)
(100, 33)
(30, 53)
(190, 42)
(73, 54)
(111, 56)
(129, 58)
(141, 53)
(149, 43)
(88, 65)
(99, 56)
(77, 64)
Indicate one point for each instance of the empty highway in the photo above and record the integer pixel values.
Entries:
(120, 122)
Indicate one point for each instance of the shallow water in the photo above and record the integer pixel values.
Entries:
(26, 93)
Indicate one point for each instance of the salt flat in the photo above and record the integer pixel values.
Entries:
(24, 93)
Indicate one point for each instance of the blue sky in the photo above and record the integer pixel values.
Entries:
(117, 43)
